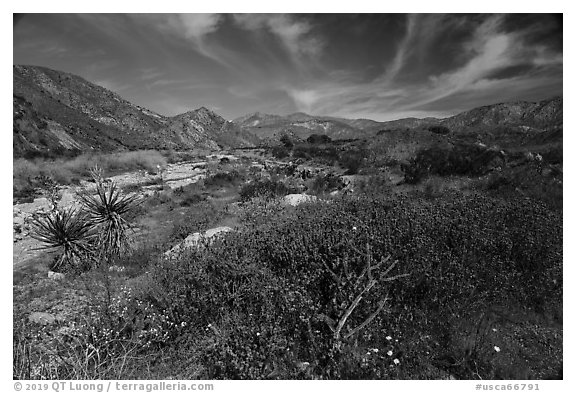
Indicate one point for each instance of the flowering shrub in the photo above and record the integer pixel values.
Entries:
(264, 188)
(268, 299)
(361, 287)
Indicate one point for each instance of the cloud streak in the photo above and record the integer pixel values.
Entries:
(371, 66)
(488, 50)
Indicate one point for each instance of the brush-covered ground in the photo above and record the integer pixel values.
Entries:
(420, 258)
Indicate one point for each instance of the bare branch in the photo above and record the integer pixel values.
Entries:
(381, 304)
(332, 273)
(390, 268)
(350, 309)
(329, 321)
(395, 277)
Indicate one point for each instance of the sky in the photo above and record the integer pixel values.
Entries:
(374, 66)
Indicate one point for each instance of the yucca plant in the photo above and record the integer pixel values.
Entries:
(104, 212)
(66, 231)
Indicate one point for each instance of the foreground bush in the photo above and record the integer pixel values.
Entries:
(267, 301)
(356, 288)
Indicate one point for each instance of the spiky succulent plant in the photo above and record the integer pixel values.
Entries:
(105, 212)
(67, 232)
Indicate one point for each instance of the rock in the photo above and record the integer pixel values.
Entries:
(196, 239)
(42, 318)
(296, 199)
(116, 268)
(55, 276)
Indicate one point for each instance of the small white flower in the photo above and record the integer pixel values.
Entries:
(388, 338)
(396, 361)
(183, 324)
(375, 350)
(497, 349)
(354, 228)
(494, 330)
(389, 353)
(258, 333)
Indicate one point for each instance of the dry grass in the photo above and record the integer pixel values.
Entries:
(71, 171)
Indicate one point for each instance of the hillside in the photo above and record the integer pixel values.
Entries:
(57, 113)
(520, 117)
(300, 125)
(537, 116)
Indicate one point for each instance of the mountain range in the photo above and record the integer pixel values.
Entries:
(57, 113)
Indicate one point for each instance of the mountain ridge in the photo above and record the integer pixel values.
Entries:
(58, 113)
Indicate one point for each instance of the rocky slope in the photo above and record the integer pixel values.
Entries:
(540, 116)
(519, 116)
(57, 113)
(299, 125)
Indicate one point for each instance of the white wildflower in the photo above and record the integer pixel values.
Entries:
(497, 349)
(388, 338)
(389, 353)
(396, 361)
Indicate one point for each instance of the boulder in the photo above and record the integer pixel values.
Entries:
(42, 318)
(55, 276)
(197, 239)
(296, 199)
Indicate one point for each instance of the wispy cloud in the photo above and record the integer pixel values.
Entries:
(195, 28)
(488, 50)
(294, 34)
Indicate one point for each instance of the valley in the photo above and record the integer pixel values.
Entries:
(282, 247)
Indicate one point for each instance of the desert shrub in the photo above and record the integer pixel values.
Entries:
(433, 187)
(223, 179)
(316, 139)
(322, 154)
(280, 152)
(159, 198)
(286, 142)
(460, 160)
(374, 185)
(383, 132)
(442, 130)
(192, 199)
(310, 258)
(198, 218)
(326, 182)
(264, 188)
(352, 160)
